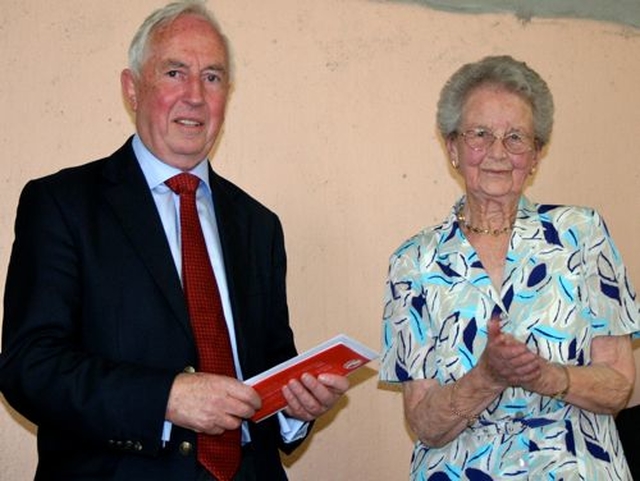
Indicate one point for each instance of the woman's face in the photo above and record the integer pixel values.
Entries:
(492, 172)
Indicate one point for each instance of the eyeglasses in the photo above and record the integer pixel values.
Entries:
(514, 142)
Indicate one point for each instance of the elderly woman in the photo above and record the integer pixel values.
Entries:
(509, 323)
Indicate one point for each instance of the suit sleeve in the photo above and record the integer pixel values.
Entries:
(277, 335)
(281, 313)
(54, 368)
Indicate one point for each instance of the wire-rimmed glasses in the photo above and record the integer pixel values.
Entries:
(514, 142)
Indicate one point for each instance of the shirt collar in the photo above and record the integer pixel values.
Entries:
(528, 226)
(157, 172)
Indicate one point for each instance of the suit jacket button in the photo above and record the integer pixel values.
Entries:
(185, 448)
(189, 369)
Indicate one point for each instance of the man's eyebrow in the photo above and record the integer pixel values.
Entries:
(216, 67)
(173, 64)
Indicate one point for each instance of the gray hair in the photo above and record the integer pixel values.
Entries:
(161, 17)
(503, 71)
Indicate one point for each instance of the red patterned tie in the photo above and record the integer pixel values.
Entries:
(219, 454)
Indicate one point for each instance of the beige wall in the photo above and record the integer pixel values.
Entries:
(331, 124)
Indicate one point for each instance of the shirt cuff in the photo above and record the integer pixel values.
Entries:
(166, 432)
(292, 429)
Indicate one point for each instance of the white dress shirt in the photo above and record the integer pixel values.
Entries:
(167, 202)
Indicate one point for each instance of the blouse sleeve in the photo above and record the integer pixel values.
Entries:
(611, 298)
(406, 341)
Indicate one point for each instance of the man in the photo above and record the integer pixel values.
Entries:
(98, 347)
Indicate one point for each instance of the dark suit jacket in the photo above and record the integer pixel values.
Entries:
(96, 326)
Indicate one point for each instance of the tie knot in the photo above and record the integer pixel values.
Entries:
(183, 183)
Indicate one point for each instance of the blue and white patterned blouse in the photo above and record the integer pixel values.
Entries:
(565, 284)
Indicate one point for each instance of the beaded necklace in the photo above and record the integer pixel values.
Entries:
(462, 220)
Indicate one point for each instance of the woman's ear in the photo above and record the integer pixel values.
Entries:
(452, 150)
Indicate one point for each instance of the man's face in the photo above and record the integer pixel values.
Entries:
(179, 99)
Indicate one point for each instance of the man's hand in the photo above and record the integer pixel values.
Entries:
(309, 397)
(210, 403)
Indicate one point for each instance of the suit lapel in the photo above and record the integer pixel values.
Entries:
(233, 231)
(127, 192)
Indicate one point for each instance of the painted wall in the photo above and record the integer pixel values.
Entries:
(331, 124)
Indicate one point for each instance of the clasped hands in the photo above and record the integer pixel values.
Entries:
(211, 403)
(509, 362)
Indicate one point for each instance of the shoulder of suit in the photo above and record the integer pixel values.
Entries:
(220, 186)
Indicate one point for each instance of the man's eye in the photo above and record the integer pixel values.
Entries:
(481, 133)
(213, 77)
(515, 137)
(172, 73)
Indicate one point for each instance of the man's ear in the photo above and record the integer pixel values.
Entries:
(129, 92)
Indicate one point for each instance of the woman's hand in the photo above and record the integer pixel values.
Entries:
(507, 361)
(603, 386)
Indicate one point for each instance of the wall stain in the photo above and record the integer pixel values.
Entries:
(625, 12)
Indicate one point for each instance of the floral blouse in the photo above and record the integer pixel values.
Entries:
(564, 284)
